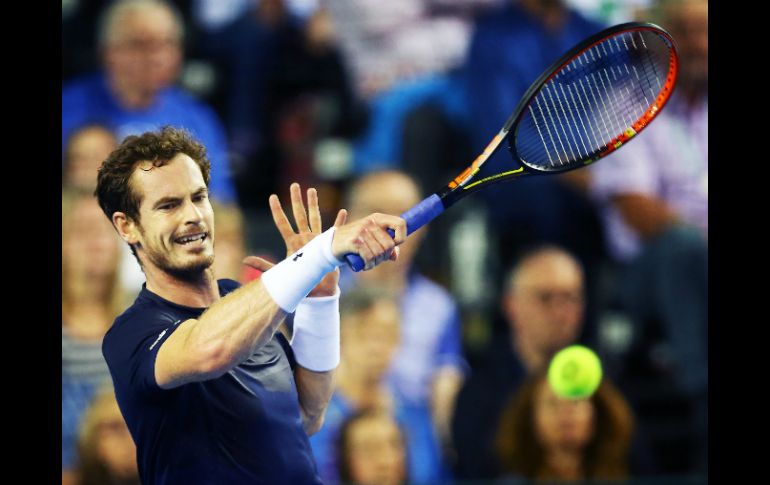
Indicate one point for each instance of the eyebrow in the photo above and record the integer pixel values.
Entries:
(170, 199)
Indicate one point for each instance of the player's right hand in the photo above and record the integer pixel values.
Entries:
(369, 238)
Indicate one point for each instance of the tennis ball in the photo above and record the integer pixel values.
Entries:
(575, 372)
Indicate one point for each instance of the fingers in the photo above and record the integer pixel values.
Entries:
(298, 208)
(314, 211)
(257, 263)
(384, 242)
(279, 217)
(342, 218)
(387, 221)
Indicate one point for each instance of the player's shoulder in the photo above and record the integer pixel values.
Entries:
(145, 316)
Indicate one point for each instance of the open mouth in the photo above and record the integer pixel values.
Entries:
(192, 238)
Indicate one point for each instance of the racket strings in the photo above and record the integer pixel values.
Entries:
(592, 100)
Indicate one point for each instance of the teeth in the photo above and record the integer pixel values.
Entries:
(188, 239)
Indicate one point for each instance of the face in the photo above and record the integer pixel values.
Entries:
(85, 154)
(90, 249)
(230, 249)
(175, 231)
(115, 446)
(688, 24)
(371, 337)
(376, 452)
(562, 424)
(545, 305)
(145, 50)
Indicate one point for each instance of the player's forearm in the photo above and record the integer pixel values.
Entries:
(315, 390)
(237, 325)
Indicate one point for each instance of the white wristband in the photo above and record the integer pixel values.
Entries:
(316, 337)
(291, 280)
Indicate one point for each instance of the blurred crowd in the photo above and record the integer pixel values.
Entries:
(377, 104)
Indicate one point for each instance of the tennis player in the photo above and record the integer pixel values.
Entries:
(210, 391)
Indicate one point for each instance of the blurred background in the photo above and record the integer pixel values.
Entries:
(377, 104)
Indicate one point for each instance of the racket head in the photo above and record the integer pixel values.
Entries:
(595, 98)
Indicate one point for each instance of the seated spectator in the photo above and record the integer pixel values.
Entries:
(537, 210)
(543, 303)
(369, 336)
(372, 450)
(140, 45)
(91, 299)
(545, 437)
(287, 90)
(653, 197)
(428, 369)
(105, 447)
(83, 155)
(230, 248)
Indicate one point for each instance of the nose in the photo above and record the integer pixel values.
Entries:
(192, 213)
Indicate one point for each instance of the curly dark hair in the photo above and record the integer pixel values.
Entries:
(113, 187)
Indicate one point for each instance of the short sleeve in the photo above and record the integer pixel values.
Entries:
(131, 347)
(449, 351)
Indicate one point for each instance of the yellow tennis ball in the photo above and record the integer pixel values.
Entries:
(575, 372)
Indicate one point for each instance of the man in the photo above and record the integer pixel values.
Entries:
(654, 201)
(210, 391)
(429, 367)
(544, 306)
(140, 44)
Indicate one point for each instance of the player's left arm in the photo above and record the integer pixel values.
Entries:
(316, 320)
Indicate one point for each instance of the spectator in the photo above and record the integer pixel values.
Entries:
(654, 201)
(369, 337)
(372, 450)
(86, 149)
(90, 301)
(106, 449)
(542, 436)
(429, 368)
(231, 245)
(140, 46)
(287, 89)
(538, 210)
(543, 303)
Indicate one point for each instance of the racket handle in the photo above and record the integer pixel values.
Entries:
(415, 218)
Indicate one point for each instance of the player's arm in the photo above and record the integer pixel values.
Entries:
(317, 316)
(235, 326)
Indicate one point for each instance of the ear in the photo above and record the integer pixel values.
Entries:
(126, 227)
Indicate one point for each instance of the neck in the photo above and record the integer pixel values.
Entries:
(563, 464)
(198, 292)
(130, 97)
(532, 358)
(389, 275)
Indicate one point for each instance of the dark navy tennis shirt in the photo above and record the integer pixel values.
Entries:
(244, 427)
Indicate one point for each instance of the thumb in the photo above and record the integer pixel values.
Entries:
(258, 263)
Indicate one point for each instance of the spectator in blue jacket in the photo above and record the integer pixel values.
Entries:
(140, 44)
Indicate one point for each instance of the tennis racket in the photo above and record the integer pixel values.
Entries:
(585, 106)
